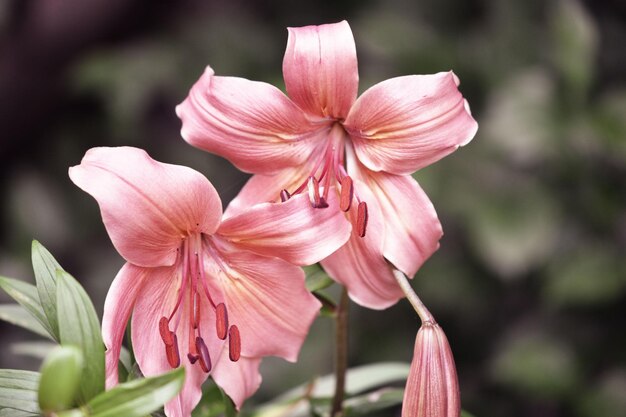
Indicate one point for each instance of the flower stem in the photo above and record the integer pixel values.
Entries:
(415, 301)
(341, 354)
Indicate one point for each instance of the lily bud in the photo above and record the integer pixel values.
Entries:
(432, 388)
(60, 378)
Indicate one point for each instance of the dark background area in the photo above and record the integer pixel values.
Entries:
(530, 280)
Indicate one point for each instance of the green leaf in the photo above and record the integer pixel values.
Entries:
(358, 380)
(139, 397)
(60, 378)
(17, 315)
(45, 267)
(10, 412)
(373, 401)
(79, 326)
(316, 278)
(18, 390)
(37, 349)
(26, 295)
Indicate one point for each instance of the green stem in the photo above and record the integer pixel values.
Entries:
(341, 354)
(415, 301)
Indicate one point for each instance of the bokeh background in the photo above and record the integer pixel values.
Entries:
(530, 280)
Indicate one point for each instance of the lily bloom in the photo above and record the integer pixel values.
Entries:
(432, 388)
(323, 140)
(210, 295)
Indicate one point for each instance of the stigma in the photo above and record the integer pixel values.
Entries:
(195, 296)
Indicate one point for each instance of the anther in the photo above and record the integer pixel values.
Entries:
(234, 344)
(221, 321)
(284, 195)
(314, 192)
(192, 358)
(171, 351)
(164, 330)
(347, 191)
(361, 218)
(203, 351)
(322, 203)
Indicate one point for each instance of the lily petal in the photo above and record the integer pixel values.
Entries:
(359, 265)
(269, 303)
(406, 123)
(157, 299)
(147, 206)
(238, 379)
(118, 305)
(412, 229)
(320, 69)
(252, 124)
(293, 230)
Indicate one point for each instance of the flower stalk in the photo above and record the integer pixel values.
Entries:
(415, 301)
(341, 353)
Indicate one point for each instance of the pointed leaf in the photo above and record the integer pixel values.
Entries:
(26, 295)
(17, 315)
(79, 326)
(139, 397)
(11, 412)
(45, 267)
(18, 390)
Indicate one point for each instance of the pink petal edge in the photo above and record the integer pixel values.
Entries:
(320, 69)
(250, 123)
(406, 123)
(147, 206)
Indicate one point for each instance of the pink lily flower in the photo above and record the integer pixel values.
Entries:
(210, 295)
(322, 140)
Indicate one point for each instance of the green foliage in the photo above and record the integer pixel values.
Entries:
(79, 326)
(45, 267)
(60, 379)
(139, 397)
(28, 297)
(19, 316)
(18, 391)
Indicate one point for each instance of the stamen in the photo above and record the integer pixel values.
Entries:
(203, 351)
(347, 192)
(361, 219)
(171, 351)
(322, 203)
(164, 330)
(284, 195)
(192, 358)
(234, 344)
(221, 321)
(196, 309)
(314, 192)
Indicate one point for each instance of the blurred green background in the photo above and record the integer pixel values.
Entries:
(530, 280)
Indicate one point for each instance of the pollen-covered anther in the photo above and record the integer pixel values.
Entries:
(314, 191)
(361, 218)
(284, 195)
(221, 321)
(164, 331)
(203, 352)
(171, 351)
(234, 344)
(347, 192)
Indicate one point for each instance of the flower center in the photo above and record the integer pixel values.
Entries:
(329, 167)
(194, 286)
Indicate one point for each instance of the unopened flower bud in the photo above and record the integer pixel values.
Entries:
(432, 389)
(60, 379)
